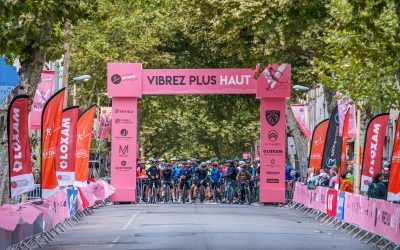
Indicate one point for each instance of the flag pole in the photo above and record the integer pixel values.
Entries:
(357, 168)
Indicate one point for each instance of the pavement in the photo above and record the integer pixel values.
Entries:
(201, 226)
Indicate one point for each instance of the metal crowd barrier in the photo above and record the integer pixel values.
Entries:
(346, 227)
(27, 236)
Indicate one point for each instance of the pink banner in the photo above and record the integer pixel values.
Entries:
(272, 142)
(124, 148)
(344, 106)
(300, 113)
(105, 122)
(274, 81)
(42, 94)
(198, 81)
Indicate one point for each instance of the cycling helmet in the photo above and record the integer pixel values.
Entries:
(242, 163)
(208, 162)
(180, 165)
(203, 164)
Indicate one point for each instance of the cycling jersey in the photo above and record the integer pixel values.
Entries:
(231, 173)
(185, 172)
(216, 175)
(244, 175)
(167, 175)
(177, 171)
(152, 172)
(202, 174)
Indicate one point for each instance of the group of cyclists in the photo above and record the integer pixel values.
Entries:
(182, 181)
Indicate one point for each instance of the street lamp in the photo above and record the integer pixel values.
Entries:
(301, 88)
(77, 79)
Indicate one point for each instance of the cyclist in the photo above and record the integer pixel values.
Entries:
(202, 175)
(215, 178)
(244, 177)
(142, 179)
(184, 178)
(153, 178)
(252, 170)
(177, 173)
(167, 178)
(192, 168)
(230, 176)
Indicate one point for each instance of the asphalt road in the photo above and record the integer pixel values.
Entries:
(206, 226)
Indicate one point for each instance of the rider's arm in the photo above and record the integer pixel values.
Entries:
(220, 176)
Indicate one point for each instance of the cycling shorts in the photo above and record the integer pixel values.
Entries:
(205, 183)
(184, 183)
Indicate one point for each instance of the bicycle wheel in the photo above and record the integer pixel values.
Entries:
(229, 194)
(248, 195)
(153, 194)
(216, 196)
(202, 193)
(166, 193)
(184, 194)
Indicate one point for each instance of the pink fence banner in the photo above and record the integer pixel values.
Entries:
(88, 193)
(300, 112)
(9, 218)
(60, 206)
(42, 94)
(105, 122)
(387, 220)
(102, 190)
(376, 216)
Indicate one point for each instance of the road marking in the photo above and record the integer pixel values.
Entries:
(115, 240)
(130, 221)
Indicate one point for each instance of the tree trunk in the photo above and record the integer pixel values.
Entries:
(397, 6)
(67, 59)
(92, 93)
(330, 99)
(299, 139)
(4, 189)
(29, 73)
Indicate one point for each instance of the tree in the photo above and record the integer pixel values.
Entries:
(32, 32)
(361, 53)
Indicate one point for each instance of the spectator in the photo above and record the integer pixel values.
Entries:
(347, 185)
(323, 178)
(349, 174)
(288, 170)
(377, 189)
(312, 179)
(333, 183)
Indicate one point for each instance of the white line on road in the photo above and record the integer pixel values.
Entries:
(115, 240)
(130, 221)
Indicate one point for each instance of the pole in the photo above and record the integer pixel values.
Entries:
(357, 167)
(74, 100)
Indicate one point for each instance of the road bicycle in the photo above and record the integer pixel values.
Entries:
(229, 191)
(153, 193)
(216, 193)
(202, 191)
(167, 192)
(247, 192)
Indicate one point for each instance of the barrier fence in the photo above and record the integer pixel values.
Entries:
(25, 225)
(360, 216)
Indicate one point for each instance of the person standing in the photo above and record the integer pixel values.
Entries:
(346, 184)
(377, 188)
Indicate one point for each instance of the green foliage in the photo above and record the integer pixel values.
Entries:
(362, 51)
(318, 37)
(27, 26)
